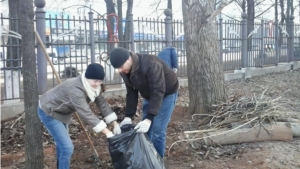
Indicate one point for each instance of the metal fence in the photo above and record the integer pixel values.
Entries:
(74, 42)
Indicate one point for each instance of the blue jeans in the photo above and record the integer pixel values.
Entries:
(158, 129)
(59, 132)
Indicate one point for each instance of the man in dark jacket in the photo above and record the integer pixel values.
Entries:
(157, 84)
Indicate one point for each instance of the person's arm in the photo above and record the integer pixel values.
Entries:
(131, 101)
(131, 104)
(109, 116)
(78, 99)
(105, 109)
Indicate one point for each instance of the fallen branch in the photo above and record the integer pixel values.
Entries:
(199, 131)
(16, 121)
(276, 132)
(183, 140)
(250, 113)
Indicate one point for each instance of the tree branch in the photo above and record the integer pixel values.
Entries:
(218, 10)
(264, 11)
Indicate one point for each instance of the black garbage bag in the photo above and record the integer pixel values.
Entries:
(131, 150)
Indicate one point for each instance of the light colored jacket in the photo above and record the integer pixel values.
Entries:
(64, 99)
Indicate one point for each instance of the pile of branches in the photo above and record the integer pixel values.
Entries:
(240, 112)
(245, 111)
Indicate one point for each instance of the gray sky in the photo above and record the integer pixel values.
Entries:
(145, 8)
(141, 8)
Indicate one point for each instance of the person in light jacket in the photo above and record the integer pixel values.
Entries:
(169, 56)
(158, 85)
(58, 104)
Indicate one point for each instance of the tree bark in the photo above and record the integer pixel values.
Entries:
(110, 9)
(205, 73)
(170, 6)
(13, 50)
(120, 24)
(250, 19)
(281, 2)
(124, 36)
(127, 24)
(33, 135)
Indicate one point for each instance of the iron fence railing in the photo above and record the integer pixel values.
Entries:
(74, 42)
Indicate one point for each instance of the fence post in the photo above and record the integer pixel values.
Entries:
(291, 38)
(168, 27)
(244, 41)
(276, 42)
(221, 39)
(131, 32)
(262, 51)
(41, 59)
(92, 38)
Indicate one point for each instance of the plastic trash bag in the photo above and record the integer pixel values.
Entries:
(131, 150)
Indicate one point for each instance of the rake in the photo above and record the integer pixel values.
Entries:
(97, 159)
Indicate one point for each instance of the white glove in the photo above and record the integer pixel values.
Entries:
(143, 126)
(175, 70)
(126, 120)
(109, 135)
(117, 129)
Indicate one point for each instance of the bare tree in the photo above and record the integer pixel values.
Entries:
(124, 36)
(253, 8)
(120, 26)
(13, 49)
(33, 129)
(110, 9)
(205, 73)
(127, 24)
(250, 19)
(170, 6)
(281, 22)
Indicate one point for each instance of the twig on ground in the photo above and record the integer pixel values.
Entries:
(206, 154)
(16, 121)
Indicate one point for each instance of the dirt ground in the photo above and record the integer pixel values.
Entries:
(186, 154)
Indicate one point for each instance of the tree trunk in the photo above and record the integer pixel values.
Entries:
(170, 6)
(281, 2)
(244, 6)
(110, 9)
(127, 24)
(13, 50)
(250, 19)
(120, 24)
(205, 73)
(33, 135)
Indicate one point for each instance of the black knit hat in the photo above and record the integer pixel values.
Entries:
(118, 56)
(94, 71)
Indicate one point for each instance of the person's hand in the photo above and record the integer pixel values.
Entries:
(109, 134)
(143, 126)
(175, 70)
(126, 120)
(117, 129)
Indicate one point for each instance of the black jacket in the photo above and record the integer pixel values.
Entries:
(151, 77)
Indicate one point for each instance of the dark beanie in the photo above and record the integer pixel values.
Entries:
(118, 56)
(94, 71)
